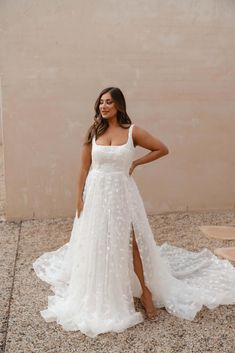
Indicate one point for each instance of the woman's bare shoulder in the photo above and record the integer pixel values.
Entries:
(138, 131)
(143, 138)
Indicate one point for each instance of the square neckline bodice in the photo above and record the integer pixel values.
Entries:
(124, 144)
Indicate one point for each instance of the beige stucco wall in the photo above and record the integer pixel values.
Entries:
(1, 131)
(174, 61)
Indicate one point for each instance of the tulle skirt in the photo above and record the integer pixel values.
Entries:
(93, 278)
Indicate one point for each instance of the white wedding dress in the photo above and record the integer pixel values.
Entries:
(92, 276)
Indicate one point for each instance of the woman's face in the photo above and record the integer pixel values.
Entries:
(107, 106)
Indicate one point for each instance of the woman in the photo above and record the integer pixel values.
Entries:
(110, 124)
(112, 256)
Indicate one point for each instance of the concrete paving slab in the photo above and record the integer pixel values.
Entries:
(226, 253)
(219, 232)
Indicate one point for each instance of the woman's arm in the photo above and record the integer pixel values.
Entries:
(142, 138)
(84, 169)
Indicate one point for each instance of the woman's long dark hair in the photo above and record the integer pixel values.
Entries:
(100, 124)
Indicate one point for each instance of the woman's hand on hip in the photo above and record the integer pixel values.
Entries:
(133, 165)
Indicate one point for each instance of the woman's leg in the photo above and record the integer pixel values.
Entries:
(138, 268)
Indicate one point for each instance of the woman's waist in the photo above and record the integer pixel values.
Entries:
(105, 169)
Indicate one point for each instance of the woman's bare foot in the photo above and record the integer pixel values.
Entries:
(146, 301)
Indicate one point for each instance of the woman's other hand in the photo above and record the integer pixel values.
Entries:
(79, 207)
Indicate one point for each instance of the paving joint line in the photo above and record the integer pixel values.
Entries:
(12, 288)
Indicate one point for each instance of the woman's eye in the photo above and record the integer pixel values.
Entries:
(108, 102)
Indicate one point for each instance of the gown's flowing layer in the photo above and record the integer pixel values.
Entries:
(92, 276)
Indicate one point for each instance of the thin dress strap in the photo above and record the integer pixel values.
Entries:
(130, 138)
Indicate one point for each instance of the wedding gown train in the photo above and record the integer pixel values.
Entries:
(92, 275)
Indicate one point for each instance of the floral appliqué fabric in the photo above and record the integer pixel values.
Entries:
(92, 276)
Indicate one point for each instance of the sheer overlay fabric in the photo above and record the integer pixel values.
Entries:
(92, 276)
